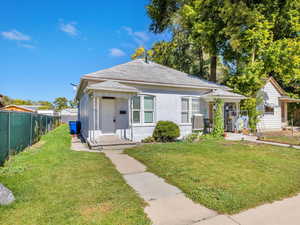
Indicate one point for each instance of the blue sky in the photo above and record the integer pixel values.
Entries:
(46, 45)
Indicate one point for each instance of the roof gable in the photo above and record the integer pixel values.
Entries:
(276, 85)
(151, 73)
(18, 107)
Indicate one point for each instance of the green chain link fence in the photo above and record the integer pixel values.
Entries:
(19, 130)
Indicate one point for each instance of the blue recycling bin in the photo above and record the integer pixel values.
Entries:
(74, 127)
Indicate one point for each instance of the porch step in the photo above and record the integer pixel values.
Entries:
(105, 142)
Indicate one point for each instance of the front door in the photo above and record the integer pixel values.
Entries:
(108, 116)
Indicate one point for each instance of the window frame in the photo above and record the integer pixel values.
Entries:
(185, 112)
(136, 110)
(142, 111)
(147, 110)
(269, 112)
(190, 110)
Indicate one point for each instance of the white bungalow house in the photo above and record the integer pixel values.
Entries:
(274, 107)
(127, 100)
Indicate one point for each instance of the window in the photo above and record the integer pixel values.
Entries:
(143, 109)
(189, 107)
(185, 103)
(136, 109)
(269, 109)
(148, 109)
(195, 106)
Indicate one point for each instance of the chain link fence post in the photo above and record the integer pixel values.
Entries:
(30, 129)
(9, 122)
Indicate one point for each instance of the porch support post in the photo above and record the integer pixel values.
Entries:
(285, 113)
(94, 116)
(130, 117)
(237, 115)
(237, 108)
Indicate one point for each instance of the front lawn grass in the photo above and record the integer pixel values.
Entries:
(225, 176)
(56, 186)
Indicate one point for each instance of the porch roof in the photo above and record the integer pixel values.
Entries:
(223, 94)
(113, 86)
(288, 99)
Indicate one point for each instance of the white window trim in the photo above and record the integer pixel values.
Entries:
(190, 108)
(142, 112)
(136, 110)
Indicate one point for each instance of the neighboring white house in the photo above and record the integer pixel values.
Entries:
(127, 100)
(274, 107)
(69, 114)
(48, 112)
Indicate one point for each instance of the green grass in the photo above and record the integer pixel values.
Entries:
(225, 176)
(56, 186)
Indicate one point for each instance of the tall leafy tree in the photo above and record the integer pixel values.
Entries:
(60, 103)
(45, 105)
(199, 20)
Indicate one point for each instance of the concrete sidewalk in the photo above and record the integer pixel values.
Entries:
(240, 137)
(167, 205)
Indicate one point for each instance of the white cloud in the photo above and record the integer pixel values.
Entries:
(140, 37)
(26, 46)
(15, 35)
(116, 52)
(69, 28)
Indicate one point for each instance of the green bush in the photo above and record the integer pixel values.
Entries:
(166, 131)
(192, 137)
(148, 140)
(218, 123)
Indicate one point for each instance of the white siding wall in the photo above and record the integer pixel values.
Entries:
(168, 107)
(267, 121)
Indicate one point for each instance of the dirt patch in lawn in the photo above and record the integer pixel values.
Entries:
(38, 144)
(102, 208)
(281, 133)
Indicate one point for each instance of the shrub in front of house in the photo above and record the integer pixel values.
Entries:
(166, 131)
(149, 139)
(194, 137)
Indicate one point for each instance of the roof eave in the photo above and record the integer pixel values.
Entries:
(113, 90)
(79, 88)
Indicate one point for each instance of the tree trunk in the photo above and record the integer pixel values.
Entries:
(201, 62)
(213, 68)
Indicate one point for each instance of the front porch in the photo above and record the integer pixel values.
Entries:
(103, 142)
(109, 116)
(231, 108)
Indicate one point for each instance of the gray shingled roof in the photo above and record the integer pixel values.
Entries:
(222, 93)
(112, 86)
(140, 71)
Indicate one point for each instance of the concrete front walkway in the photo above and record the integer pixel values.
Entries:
(167, 205)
